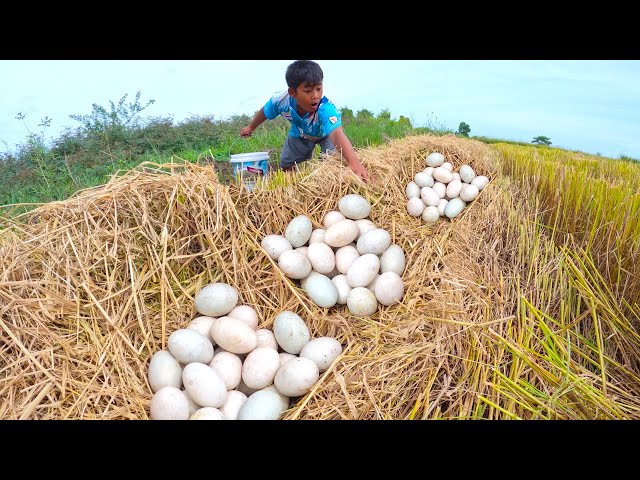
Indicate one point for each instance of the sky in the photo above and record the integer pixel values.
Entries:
(587, 105)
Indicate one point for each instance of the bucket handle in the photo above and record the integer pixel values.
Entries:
(233, 143)
(230, 148)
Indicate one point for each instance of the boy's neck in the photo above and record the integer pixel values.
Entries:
(300, 111)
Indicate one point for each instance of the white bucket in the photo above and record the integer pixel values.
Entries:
(248, 167)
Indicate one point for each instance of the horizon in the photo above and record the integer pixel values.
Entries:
(583, 105)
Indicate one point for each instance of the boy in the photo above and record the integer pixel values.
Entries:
(314, 119)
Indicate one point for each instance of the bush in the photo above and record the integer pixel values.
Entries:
(117, 138)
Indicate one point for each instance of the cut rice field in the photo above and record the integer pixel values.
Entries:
(526, 306)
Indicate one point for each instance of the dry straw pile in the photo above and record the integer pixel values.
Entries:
(91, 287)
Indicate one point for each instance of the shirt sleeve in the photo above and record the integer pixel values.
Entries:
(330, 117)
(277, 104)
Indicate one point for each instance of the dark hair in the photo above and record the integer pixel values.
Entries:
(303, 71)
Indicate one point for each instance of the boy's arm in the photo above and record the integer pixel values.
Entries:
(258, 118)
(343, 145)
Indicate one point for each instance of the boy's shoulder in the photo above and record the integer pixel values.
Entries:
(281, 98)
(327, 108)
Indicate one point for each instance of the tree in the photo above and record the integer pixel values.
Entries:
(385, 114)
(404, 121)
(120, 115)
(542, 140)
(463, 129)
(364, 113)
(347, 113)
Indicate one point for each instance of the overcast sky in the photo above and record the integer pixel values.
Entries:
(588, 105)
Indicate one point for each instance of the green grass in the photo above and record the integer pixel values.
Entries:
(89, 157)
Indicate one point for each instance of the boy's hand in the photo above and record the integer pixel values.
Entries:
(246, 131)
(359, 170)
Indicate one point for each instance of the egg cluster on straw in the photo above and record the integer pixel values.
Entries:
(438, 191)
(222, 367)
(350, 261)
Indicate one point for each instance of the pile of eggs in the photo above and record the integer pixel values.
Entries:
(438, 191)
(348, 262)
(222, 367)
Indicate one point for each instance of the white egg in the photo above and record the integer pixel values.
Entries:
(261, 405)
(362, 302)
(332, 273)
(296, 377)
(202, 325)
(298, 230)
(332, 217)
(345, 256)
(341, 233)
(285, 357)
(415, 206)
(376, 242)
(323, 351)
(302, 250)
(389, 288)
(245, 313)
(480, 182)
(354, 206)
(266, 338)
(469, 192)
(392, 260)
(365, 225)
(466, 173)
(233, 403)
(442, 174)
(234, 335)
(423, 180)
(435, 159)
(189, 346)
(321, 290)
(244, 389)
(454, 207)
(204, 385)
(216, 299)
(428, 171)
(317, 236)
(453, 189)
(260, 367)
(294, 264)
(430, 215)
(412, 190)
(274, 245)
(169, 403)
(456, 176)
(440, 188)
(229, 367)
(363, 270)
(291, 332)
(372, 285)
(207, 413)
(193, 406)
(448, 166)
(340, 281)
(429, 196)
(442, 205)
(164, 371)
(219, 350)
(283, 398)
(322, 258)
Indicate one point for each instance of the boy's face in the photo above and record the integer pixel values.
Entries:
(307, 96)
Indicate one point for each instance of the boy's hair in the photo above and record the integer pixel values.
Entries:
(303, 71)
